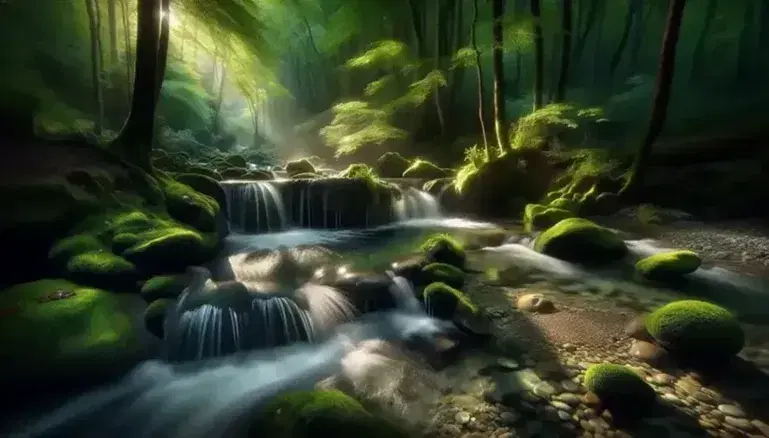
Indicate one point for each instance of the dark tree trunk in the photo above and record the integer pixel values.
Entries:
(630, 16)
(163, 43)
(135, 140)
(638, 38)
(566, 30)
(661, 96)
(588, 23)
(437, 65)
(539, 55)
(498, 69)
(479, 72)
(746, 45)
(96, 65)
(112, 17)
(127, 42)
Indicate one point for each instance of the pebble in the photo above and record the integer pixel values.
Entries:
(732, 411)
(569, 386)
(509, 417)
(561, 406)
(544, 389)
(462, 417)
(740, 423)
(569, 399)
(507, 363)
(672, 399)
(761, 426)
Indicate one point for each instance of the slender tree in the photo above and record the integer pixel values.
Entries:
(96, 64)
(498, 69)
(479, 73)
(566, 31)
(539, 55)
(661, 95)
(112, 27)
(631, 16)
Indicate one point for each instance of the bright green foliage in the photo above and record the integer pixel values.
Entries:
(356, 124)
(63, 250)
(565, 204)
(42, 333)
(189, 206)
(443, 301)
(580, 240)
(697, 331)
(101, 268)
(382, 54)
(531, 130)
(444, 248)
(444, 273)
(318, 413)
(667, 265)
(620, 389)
(537, 216)
(424, 169)
(391, 165)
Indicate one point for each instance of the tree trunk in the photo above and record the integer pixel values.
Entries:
(566, 30)
(219, 99)
(745, 46)
(112, 17)
(763, 37)
(135, 140)
(638, 37)
(163, 43)
(630, 16)
(539, 55)
(698, 56)
(589, 21)
(597, 52)
(437, 66)
(498, 69)
(661, 96)
(457, 74)
(127, 42)
(479, 72)
(98, 97)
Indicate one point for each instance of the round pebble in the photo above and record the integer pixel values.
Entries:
(732, 411)
(462, 417)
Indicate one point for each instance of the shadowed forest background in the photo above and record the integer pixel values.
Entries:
(264, 78)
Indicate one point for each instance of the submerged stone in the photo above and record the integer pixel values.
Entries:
(580, 240)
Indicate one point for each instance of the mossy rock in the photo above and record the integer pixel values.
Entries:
(668, 265)
(306, 175)
(391, 165)
(311, 414)
(620, 389)
(422, 169)
(163, 286)
(565, 204)
(168, 249)
(697, 331)
(205, 185)
(581, 241)
(56, 326)
(443, 273)
(537, 217)
(443, 301)
(259, 175)
(233, 173)
(552, 196)
(443, 248)
(299, 166)
(65, 249)
(236, 161)
(200, 170)
(155, 316)
(102, 268)
(190, 206)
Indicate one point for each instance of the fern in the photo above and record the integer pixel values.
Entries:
(533, 129)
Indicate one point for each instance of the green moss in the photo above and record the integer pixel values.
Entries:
(565, 204)
(442, 300)
(169, 249)
(41, 333)
(391, 165)
(232, 173)
(423, 169)
(365, 173)
(668, 265)
(205, 185)
(552, 196)
(299, 166)
(235, 161)
(307, 175)
(580, 240)
(443, 248)
(204, 171)
(443, 273)
(155, 315)
(536, 217)
(63, 250)
(309, 414)
(696, 330)
(620, 389)
(163, 286)
(189, 206)
(102, 268)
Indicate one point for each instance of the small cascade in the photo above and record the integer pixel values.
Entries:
(524, 257)
(416, 204)
(255, 207)
(404, 294)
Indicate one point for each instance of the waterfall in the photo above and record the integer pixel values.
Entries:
(255, 206)
(416, 204)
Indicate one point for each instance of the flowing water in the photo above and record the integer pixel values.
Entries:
(255, 205)
(416, 204)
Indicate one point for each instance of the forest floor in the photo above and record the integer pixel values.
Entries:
(532, 385)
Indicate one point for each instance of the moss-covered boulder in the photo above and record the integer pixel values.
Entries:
(205, 171)
(155, 316)
(443, 301)
(391, 165)
(259, 175)
(102, 268)
(205, 185)
(581, 241)
(163, 286)
(668, 265)
(299, 166)
(696, 331)
(537, 217)
(443, 248)
(620, 389)
(229, 173)
(59, 327)
(306, 175)
(236, 161)
(308, 414)
(565, 204)
(444, 273)
(422, 169)
(168, 249)
(190, 206)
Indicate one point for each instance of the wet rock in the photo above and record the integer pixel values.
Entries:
(462, 417)
(732, 410)
(535, 302)
(507, 363)
(636, 329)
(648, 352)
